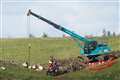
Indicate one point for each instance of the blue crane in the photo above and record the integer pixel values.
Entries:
(91, 48)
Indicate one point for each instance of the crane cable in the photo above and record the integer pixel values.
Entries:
(28, 40)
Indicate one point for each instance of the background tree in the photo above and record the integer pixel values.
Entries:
(104, 32)
(44, 35)
(114, 34)
(31, 36)
(108, 33)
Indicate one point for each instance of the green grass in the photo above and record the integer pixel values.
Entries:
(41, 49)
(20, 73)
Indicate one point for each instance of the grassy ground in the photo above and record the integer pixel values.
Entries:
(18, 73)
(13, 72)
(41, 49)
(17, 50)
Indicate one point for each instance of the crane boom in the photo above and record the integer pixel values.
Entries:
(91, 48)
(72, 34)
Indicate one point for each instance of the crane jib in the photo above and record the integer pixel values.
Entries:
(74, 35)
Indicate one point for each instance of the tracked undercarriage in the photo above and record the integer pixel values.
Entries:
(82, 62)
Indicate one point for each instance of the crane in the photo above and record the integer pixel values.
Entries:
(91, 49)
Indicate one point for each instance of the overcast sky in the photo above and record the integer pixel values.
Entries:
(83, 17)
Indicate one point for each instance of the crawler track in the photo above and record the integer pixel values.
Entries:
(82, 62)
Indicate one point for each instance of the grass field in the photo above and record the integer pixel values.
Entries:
(17, 50)
(41, 49)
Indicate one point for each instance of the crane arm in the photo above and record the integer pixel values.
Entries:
(74, 35)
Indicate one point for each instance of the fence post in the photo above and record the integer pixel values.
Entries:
(29, 53)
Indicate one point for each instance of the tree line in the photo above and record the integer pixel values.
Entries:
(108, 33)
(105, 33)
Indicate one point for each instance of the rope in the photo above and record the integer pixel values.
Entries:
(28, 26)
(28, 40)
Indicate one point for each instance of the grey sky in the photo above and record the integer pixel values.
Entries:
(82, 17)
